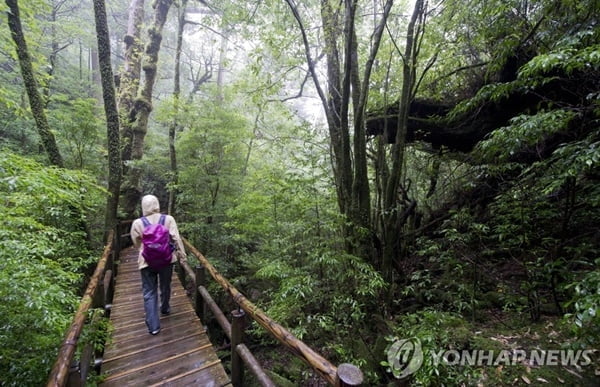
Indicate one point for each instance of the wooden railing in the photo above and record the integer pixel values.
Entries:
(344, 375)
(98, 294)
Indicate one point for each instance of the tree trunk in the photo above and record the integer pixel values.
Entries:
(143, 103)
(173, 128)
(222, 61)
(95, 73)
(394, 214)
(53, 57)
(251, 143)
(31, 85)
(130, 77)
(338, 134)
(112, 116)
(128, 89)
(361, 197)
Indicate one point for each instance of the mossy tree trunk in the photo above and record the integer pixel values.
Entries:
(112, 115)
(128, 89)
(142, 106)
(173, 128)
(130, 76)
(31, 85)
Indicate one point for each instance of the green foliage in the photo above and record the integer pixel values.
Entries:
(450, 278)
(211, 154)
(524, 132)
(540, 172)
(537, 219)
(94, 337)
(59, 43)
(47, 196)
(575, 160)
(535, 239)
(289, 227)
(211, 161)
(16, 132)
(79, 131)
(565, 51)
(586, 302)
(42, 255)
(571, 55)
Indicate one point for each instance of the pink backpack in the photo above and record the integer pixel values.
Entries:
(156, 241)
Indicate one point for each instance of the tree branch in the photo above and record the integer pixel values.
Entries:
(309, 60)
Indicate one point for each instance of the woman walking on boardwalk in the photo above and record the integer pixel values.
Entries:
(155, 278)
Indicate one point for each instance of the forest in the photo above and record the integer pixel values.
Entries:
(373, 174)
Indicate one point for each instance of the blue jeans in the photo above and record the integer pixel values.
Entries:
(151, 278)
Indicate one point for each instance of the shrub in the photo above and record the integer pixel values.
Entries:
(43, 252)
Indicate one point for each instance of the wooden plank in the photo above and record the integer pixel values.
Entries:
(156, 355)
(135, 343)
(134, 298)
(160, 372)
(145, 347)
(140, 331)
(136, 314)
(180, 355)
(197, 377)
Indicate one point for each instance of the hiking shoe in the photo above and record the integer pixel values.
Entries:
(156, 332)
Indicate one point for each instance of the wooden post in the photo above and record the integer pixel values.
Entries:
(116, 251)
(100, 296)
(109, 288)
(117, 238)
(116, 262)
(182, 275)
(254, 366)
(199, 303)
(238, 325)
(109, 280)
(348, 375)
(74, 376)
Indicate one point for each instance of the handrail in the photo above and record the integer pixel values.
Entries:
(60, 371)
(349, 374)
(103, 279)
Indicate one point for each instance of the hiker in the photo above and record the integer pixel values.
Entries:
(155, 275)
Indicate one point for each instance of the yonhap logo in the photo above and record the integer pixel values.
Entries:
(405, 357)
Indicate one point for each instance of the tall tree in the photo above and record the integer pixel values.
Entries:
(394, 209)
(143, 103)
(129, 86)
(31, 85)
(112, 115)
(176, 95)
(343, 90)
(130, 76)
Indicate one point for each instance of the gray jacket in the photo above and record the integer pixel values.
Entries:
(151, 210)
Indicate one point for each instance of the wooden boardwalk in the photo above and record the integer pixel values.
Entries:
(180, 355)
